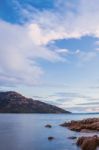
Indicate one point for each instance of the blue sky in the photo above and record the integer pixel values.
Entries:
(49, 50)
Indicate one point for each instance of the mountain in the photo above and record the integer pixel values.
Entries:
(13, 102)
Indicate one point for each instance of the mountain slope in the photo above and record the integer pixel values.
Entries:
(13, 102)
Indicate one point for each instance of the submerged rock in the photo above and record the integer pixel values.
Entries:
(88, 143)
(72, 137)
(48, 126)
(50, 138)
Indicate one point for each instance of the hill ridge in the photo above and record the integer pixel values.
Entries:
(14, 102)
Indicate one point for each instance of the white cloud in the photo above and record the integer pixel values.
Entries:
(20, 46)
(97, 43)
(97, 49)
(62, 51)
(92, 109)
(85, 56)
(18, 54)
(62, 23)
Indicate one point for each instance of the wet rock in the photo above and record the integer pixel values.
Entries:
(86, 131)
(48, 126)
(80, 141)
(90, 124)
(72, 137)
(88, 143)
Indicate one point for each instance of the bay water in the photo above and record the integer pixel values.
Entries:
(28, 132)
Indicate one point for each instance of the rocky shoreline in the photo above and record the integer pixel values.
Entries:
(85, 125)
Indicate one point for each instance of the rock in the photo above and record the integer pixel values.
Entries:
(48, 126)
(88, 143)
(85, 125)
(50, 138)
(86, 131)
(72, 137)
(80, 141)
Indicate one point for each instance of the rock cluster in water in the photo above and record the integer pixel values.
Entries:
(85, 125)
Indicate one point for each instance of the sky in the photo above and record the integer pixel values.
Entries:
(49, 51)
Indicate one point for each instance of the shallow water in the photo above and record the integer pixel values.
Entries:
(27, 131)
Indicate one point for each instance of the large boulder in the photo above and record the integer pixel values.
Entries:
(88, 143)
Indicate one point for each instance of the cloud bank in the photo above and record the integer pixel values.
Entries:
(63, 22)
(18, 55)
(22, 45)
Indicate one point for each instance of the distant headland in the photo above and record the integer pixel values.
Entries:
(13, 102)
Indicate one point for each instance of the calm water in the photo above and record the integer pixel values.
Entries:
(27, 132)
